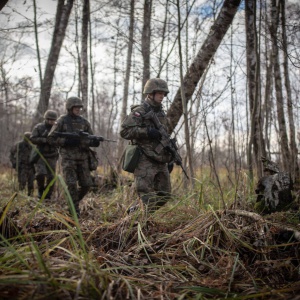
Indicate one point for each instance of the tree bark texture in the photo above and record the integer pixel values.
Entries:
(255, 139)
(127, 78)
(61, 21)
(201, 61)
(84, 55)
(146, 41)
(294, 167)
(285, 153)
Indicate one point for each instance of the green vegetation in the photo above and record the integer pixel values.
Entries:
(190, 249)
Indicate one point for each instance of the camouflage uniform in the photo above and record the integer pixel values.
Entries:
(152, 178)
(19, 157)
(75, 157)
(49, 152)
(274, 189)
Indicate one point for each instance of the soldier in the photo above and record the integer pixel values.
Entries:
(19, 157)
(274, 189)
(74, 152)
(49, 153)
(152, 178)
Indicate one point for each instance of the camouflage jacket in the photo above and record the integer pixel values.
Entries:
(20, 153)
(135, 128)
(39, 137)
(71, 124)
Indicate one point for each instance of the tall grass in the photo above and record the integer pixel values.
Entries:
(189, 249)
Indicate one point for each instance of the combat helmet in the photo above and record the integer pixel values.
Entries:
(156, 85)
(27, 135)
(50, 114)
(73, 101)
(269, 165)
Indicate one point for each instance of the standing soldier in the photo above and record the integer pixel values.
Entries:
(152, 178)
(48, 153)
(74, 152)
(19, 157)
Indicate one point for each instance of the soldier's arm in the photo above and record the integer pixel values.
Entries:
(37, 138)
(133, 127)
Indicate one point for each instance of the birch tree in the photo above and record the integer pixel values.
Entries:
(284, 145)
(84, 55)
(127, 76)
(201, 61)
(294, 167)
(61, 21)
(146, 41)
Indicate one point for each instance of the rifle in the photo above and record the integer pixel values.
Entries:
(81, 134)
(166, 142)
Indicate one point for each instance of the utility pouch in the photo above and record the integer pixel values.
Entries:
(93, 160)
(131, 158)
(34, 156)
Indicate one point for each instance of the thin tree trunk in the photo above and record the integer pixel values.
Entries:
(294, 167)
(184, 103)
(146, 42)
(84, 55)
(37, 43)
(92, 69)
(201, 61)
(62, 17)
(285, 153)
(127, 77)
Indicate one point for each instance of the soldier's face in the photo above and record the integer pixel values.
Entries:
(51, 121)
(158, 97)
(76, 110)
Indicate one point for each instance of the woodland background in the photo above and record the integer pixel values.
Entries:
(232, 68)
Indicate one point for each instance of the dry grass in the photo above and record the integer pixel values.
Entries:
(190, 249)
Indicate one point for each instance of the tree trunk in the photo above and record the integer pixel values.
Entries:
(3, 3)
(37, 43)
(146, 38)
(255, 139)
(285, 153)
(201, 61)
(84, 55)
(127, 78)
(61, 21)
(184, 103)
(294, 167)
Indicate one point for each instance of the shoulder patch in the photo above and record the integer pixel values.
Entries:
(137, 114)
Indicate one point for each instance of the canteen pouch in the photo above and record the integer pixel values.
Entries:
(93, 160)
(131, 158)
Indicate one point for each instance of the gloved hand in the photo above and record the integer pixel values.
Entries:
(94, 143)
(72, 142)
(154, 134)
(170, 166)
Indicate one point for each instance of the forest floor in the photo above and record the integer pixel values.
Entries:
(186, 250)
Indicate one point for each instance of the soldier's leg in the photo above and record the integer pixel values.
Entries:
(50, 175)
(144, 182)
(84, 179)
(22, 177)
(162, 185)
(40, 173)
(30, 180)
(69, 168)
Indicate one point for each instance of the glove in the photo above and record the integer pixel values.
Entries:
(154, 134)
(170, 166)
(72, 143)
(94, 143)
